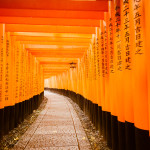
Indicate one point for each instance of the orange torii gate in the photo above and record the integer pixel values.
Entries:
(39, 40)
(96, 52)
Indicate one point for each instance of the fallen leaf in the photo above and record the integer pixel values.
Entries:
(92, 138)
(16, 139)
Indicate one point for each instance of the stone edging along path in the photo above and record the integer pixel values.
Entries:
(95, 139)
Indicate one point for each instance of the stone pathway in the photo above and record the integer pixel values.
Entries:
(56, 128)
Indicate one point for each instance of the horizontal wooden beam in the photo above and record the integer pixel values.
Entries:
(53, 39)
(59, 55)
(56, 5)
(54, 70)
(52, 35)
(54, 43)
(57, 60)
(56, 63)
(30, 46)
(55, 67)
(66, 14)
(56, 53)
(52, 73)
(49, 29)
(73, 50)
(50, 21)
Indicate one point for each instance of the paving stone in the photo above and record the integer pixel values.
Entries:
(57, 128)
(88, 147)
(51, 140)
(56, 148)
(57, 119)
(56, 123)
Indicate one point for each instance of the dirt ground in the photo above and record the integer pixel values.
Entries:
(13, 137)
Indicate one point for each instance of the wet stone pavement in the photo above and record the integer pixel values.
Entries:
(56, 128)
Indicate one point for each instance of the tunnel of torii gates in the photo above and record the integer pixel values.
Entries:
(95, 52)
